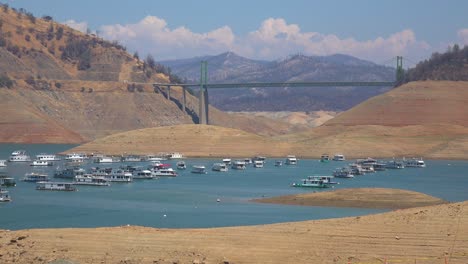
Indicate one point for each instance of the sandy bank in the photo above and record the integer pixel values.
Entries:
(378, 198)
(423, 235)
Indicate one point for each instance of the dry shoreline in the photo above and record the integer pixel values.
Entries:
(430, 235)
(375, 198)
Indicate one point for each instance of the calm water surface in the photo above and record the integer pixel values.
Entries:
(189, 200)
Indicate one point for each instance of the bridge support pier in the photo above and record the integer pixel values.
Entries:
(184, 100)
(168, 94)
(203, 97)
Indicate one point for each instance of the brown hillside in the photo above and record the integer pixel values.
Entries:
(191, 140)
(96, 101)
(415, 103)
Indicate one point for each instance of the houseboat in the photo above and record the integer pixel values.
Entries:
(181, 165)
(35, 177)
(4, 197)
(90, 180)
(174, 155)
(262, 158)
(367, 161)
(291, 160)
(343, 173)
(248, 161)
(152, 157)
(75, 157)
(238, 165)
(132, 158)
(3, 163)
(356, 169)
(312, 183)
(415, 163)
(41, 163)
(168, 172)
(19, 156)
(219, 167)
(227, 161)
(55, 186)
(393, 164)
(142, 174)
(117, 176)
(278, 163)
(325, 179)
(47, 157)
(379, 166)
(104, 159)
(69, 173)
(339, 157)
(258, 164)
(6, 181)
(199, 169)
(325, 158)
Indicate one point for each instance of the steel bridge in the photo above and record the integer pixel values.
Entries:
(203, 113)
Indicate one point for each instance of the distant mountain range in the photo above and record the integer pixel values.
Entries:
(231, 68)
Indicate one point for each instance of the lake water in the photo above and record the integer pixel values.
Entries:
(190, 200)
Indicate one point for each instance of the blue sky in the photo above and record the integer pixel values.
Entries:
(268, 29)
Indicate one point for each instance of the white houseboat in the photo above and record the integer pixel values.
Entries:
(75, 156)
(258, 164)
(104, 159)
(142, 174)
(4, 197)
(3, 163)
(415, 163)
(313, 183)
(339, 157)
(55, 186)
(41, 163)
(325, 179)
(238, 165)
(219, 167)
(47, 157)
(394, 164)
(199, 169)
(168, 172)
(343, 173)
(19, 156)
(227, 161)
(291, 160)
(35, 177)
(181, 165)
(325, 158)
(117, 176)
(174, 155)
(69, 173)
(6, 181)
(90, 180)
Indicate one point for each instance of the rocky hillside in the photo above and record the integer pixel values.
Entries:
(229, 67)
(61, 86)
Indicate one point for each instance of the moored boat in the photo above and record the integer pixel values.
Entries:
(291, 160)
(415, 163)
(117, 176)
(55, 186)
(3, 163)
(199, 169)
(168, 172)
(19, 156)
(6, 181)
(311, 183)
(258, 164)
(394, 164)
(219, 167)
(35, 177)
(90, 180)
(325, 158)
(142, 174)
(69, 173)
(4, 196)
(238, 165)
(227, 161)
(174, 155)
(278, 163)
(41, 163)
(339, 157)
(181, 165)
(47, 157)
(325, 179)
(343, 173)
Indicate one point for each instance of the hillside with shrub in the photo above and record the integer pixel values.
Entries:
(449, 66)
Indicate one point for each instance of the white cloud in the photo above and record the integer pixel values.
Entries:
(275, 38)
(463, 36)
(80, 26)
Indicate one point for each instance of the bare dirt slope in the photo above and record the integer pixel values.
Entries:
(358, 197)
(428, 235)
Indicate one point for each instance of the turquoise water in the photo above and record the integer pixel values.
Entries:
(189, 200)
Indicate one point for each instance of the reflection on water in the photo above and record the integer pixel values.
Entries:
(190, 200)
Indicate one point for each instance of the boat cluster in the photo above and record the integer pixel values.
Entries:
(359, 167)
